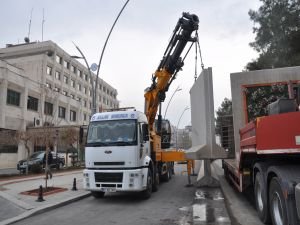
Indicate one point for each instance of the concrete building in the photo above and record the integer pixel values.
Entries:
(41, 84)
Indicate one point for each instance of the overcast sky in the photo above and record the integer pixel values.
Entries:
(139, 40)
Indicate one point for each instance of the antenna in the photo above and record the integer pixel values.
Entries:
(27, 40)
(43, 24)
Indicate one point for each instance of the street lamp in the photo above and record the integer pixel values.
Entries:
(103, 49)
(186, 108)
(91, 78)
(177, 89)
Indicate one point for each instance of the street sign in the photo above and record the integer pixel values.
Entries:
(94, 67)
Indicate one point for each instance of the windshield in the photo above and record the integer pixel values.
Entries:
(37, 155)
(112, 133)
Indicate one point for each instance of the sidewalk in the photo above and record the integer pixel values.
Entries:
(18, 206)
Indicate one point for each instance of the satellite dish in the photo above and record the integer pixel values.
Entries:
(94, 67)
(26, 39)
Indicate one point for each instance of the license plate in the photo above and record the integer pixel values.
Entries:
(108, 189)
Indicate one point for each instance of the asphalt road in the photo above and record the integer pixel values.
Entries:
(172, 204)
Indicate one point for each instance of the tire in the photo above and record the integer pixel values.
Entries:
(278, 208)
(60, 165)
(167, 176)
(171, 170)
(155, 182)
(97, 194)
(261, 200)
(146, 194)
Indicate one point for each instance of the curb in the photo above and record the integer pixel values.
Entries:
(42, 209)
(239, 209)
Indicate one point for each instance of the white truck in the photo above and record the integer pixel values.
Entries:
(118, 154)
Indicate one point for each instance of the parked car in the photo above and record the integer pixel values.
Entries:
(37, 158)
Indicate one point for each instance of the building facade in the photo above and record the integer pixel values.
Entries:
(41, 84)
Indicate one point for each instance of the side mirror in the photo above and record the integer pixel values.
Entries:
(145, 132)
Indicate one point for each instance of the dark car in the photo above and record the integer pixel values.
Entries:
(37, 158)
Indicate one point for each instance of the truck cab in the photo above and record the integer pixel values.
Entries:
(117, 152)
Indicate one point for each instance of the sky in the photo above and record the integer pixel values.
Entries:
(139, 40)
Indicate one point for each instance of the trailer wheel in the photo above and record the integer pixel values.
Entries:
(261, 200)
(277, 203)
(147, 193)
(98, 194)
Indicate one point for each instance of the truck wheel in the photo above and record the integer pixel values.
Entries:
(261, 201)
(167, 176)
(147, 193)
(98, 194)
(278, 209)
(170, 171)
(155, 182)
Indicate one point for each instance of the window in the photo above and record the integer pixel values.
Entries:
(66, 64)
(57, 75)
(73, 83)
(73, 69)
(78, 99)
(90, 92)
(61, 112)
(66, 79)
(84, 117)
(49, 70)
(79, 87)
(56, 89)
(13, 97)
(32, 103)
(85, 103)
(58, 59)
(100, 86)
(84, 90)
(79, 73)
(72, 115)
(48, 110)
(86, 77)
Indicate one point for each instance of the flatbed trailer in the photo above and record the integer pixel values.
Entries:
(269, 162)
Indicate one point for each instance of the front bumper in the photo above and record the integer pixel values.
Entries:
(115, 180)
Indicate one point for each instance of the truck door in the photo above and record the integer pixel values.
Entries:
(143, 141)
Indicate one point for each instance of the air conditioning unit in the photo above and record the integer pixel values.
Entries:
(37, 122)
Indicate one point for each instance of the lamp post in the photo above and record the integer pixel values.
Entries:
(177, 89)
(103, 49)
(186, 108)
(91, 78)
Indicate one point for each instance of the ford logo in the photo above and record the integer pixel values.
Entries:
(108, 152)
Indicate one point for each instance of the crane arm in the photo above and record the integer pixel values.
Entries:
(170, 64)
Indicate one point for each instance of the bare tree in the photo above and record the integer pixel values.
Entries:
(25, 137)
(69, 136)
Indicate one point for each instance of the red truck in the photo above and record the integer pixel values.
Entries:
(268, 160)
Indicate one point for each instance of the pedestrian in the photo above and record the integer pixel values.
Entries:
(47, 164)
